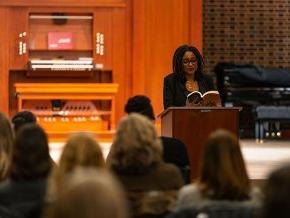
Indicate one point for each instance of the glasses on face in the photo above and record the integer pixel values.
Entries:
(187, 62)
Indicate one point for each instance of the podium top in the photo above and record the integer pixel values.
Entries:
(197, 108)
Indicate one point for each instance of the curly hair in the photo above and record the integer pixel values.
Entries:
(136, 145)
(21, 118)
(140, 104)
(177, 65)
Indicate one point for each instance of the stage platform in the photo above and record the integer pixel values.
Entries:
(260, 158)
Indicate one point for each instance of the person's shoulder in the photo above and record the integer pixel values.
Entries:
(170, 141)
(167, 168)
(169, 76)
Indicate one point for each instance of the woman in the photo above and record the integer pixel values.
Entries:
(30, 166)
(81, 150)
(6, 143)
(277, 193)
(136, 159)
(223, 175)
(90, 193)
(187, 76)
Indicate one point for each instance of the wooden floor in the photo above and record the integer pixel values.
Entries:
(260, 158)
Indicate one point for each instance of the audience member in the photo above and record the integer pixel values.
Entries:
(277, 194)
(174, 150)
(6, 143)
(21, 118)
(136, 159)
(81, 150)
(223, 175)
(24, 192)
(90, 193)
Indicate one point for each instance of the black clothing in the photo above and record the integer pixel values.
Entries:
(175, 92)
(175, 152)
(25, 198)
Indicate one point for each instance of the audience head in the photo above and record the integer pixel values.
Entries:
(140, 104)
(21, 118)
(178, 61)
(81, 150)
(30, 155)
(136, 145)
(223, 172)
(6, 144)
(277, 194)
(90, 193)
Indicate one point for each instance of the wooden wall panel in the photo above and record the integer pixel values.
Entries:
(54, 3)
(121, 75)
(4, 61)
(158, 28)
(195, 23)
(145, 34)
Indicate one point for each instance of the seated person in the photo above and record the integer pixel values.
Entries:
(174, 150)
(89, 192)
(136, 159)
(222, 177)
(277, 194)
(24, 191)
(21, 118)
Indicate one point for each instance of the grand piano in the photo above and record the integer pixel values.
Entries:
(256, 89)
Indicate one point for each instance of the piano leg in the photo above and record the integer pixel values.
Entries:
(261, 131)
(257, 131)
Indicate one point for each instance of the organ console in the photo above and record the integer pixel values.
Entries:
(69, 107)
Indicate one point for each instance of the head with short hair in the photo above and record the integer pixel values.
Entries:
(140, 104)
(30, 155)
(277, 193)
(136, 145)
(90, 193)
(177, 61)
(6, 144)
(223, 173)
(21, 118)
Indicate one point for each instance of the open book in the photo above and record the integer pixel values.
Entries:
(208, 99)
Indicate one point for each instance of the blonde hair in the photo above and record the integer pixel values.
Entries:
(90, 193)
(136, 144)
(6, 145)
(81, 150)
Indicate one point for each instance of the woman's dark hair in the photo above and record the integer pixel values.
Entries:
(277, 194)
(30, 155)
(140, 104)
(21, 118)
(177, 65)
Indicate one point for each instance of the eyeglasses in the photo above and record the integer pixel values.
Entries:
(187, 62)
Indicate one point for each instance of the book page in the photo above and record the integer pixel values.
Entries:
(211, 98)
(194, 98)
(208, 99)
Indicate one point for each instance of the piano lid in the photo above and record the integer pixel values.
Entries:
(247, 75)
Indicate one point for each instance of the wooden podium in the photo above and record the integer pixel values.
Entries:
(192, 125)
